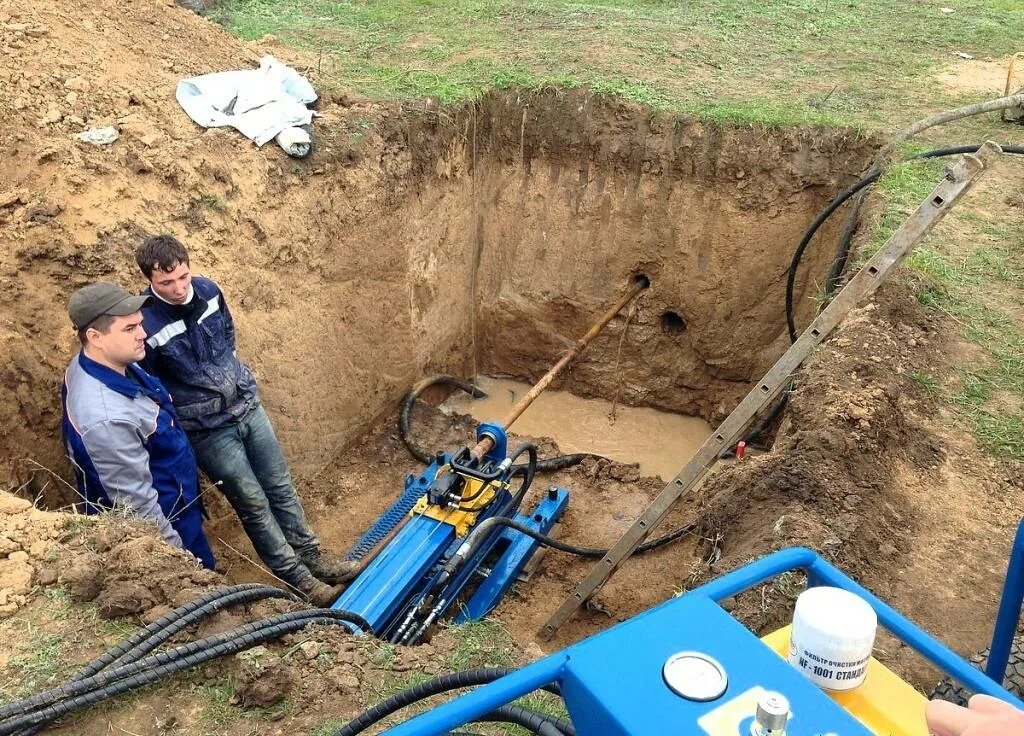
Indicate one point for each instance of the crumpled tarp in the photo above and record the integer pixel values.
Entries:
(259, 103)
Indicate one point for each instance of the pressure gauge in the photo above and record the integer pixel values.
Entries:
(695, 676)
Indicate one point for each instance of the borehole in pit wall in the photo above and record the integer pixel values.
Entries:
(672, 323)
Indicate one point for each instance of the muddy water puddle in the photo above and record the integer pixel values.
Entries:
(660, 442)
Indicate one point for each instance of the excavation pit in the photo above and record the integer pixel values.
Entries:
(478, 240)
(510, 227)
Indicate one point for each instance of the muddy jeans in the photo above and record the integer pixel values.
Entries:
(245, 460)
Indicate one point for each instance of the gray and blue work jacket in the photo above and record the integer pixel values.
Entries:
(127, 449)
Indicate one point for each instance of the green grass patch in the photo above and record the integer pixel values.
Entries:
(38, 666)
(60, 605)
(116, 628)
(769, 63)
(219, 712)
(924, 381)
(961, 284)
(484, 643)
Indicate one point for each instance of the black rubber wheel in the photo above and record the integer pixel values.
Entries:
(954, 692)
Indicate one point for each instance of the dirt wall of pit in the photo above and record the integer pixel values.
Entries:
(574, 194)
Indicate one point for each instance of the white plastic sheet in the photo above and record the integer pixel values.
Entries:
(259, 103)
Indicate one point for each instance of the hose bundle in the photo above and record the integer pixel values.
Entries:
(126, 666)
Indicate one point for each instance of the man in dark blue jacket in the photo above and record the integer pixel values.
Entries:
(191, 348)
(120, 429)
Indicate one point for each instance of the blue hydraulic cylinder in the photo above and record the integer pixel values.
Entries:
(380, 590)
(519, 548)
(1009, 611)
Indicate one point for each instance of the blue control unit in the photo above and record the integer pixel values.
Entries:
(688, 667)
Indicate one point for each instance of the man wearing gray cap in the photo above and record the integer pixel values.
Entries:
(119, 426)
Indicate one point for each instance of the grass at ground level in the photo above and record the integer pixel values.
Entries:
(867, 63)
(973, 273)
(870, 64)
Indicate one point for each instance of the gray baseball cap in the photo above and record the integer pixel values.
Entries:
(103, 297)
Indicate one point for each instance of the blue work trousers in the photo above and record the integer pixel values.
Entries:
(245, 460)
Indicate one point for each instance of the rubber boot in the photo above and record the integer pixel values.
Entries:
(329, 568)
(318, 593)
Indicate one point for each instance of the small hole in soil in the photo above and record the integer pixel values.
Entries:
(642, 279)
(672, 323)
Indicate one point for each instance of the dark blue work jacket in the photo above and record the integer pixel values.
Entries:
(191, 348)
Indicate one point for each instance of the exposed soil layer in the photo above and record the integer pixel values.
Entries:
(536, 208)
(479, 239)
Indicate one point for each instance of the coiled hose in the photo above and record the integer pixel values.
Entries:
(150, 637)
(45, 707)
(424, 690)
(547, 465)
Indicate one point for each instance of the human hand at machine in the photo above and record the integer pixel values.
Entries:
(983, 716)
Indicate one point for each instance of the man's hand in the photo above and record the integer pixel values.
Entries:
(983, 716)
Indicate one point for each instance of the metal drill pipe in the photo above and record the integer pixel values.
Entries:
(482, 447)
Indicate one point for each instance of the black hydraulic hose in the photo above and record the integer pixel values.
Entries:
(547, 465)
(528, 471)
(538, 723)
(151, 672)
(844, 247)
(869, 178)
(405, 414)
(150, 637)
(482, 529)
(424, 690)
(798, 254)
(185, 653)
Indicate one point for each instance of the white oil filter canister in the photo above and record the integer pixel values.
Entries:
(832, 637)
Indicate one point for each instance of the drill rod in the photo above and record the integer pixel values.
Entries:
(484, 445)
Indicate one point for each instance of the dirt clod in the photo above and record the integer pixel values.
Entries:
(263, 679)
(83, 576)
(15, 575)
(123, 600)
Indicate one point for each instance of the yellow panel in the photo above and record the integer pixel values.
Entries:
(885, 703)
(464, 517)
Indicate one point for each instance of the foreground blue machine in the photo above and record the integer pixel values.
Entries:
(444, 541)
(688, 667)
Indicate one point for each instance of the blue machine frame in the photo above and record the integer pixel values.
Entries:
(408, 564)
(612, 683)
(518, 549)
(1009, 610)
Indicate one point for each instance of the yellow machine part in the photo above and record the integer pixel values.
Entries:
(885, 703)
(463, 517)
